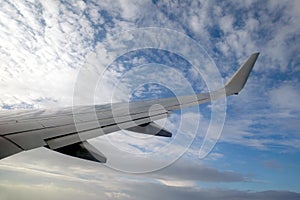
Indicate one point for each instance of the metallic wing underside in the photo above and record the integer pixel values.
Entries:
(66, 130)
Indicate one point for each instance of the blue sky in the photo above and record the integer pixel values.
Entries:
(45, 45)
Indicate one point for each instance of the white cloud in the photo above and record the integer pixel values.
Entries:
(178, 183)
(286, 97)
(45, 191)
(41, 50)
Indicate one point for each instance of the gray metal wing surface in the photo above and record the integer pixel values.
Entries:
(66, 130)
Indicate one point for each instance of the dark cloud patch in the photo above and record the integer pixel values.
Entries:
(184, 170)
(272, 164)
(155, 191)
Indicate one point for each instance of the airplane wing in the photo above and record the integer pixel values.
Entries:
(66, 130)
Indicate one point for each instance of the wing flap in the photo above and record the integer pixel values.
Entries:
(83, 150)
(69, 139)
(8, 148)
(151, 129)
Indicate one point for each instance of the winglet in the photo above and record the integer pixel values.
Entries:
(238, 80)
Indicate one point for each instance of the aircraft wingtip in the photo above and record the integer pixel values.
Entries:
(238, 80)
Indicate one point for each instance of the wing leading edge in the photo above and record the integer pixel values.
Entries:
(56, 129)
